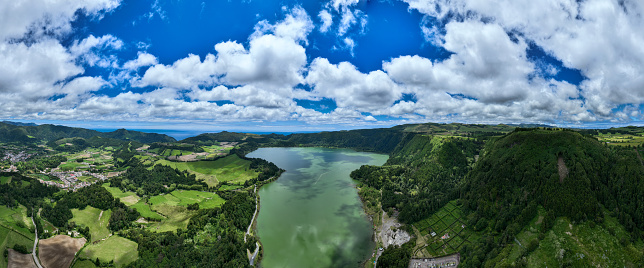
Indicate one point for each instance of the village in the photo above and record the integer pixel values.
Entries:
(71, 180)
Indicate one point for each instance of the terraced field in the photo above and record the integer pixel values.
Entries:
(444, 233)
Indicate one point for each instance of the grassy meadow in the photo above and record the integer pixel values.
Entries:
(89, 217)
(230, 168)
(118, 249)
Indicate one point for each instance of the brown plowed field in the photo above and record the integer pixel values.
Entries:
(19, 260)
(59, 251)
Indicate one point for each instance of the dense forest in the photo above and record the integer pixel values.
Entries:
(421, 175)
(502, 181)
(25, 191)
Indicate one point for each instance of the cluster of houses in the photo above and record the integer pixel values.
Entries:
(13, 156)
(11, 168)
(70, 180)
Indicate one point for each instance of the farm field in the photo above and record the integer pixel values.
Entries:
(118, 249)
(619, 139)
(173, 207)
(145, 210)
(177, 217)
(187, 197)
(19, 260)
(128, 198)
(84, 264)
(16, 219)
(5, 179)
(230, 168)
(8, 239)
(59, 251)
(229, 187)
(90, 217)
(70, 166)
(443, 233)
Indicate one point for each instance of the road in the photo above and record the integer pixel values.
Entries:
(252, 220)
(252, 258)
(33, 252)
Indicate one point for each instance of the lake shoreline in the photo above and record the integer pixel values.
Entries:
(289, 202)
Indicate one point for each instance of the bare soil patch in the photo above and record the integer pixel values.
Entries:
(19, 260)
(59, 251)
(114, 174)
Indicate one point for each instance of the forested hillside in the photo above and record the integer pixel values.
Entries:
(506, 182)
(27, 133)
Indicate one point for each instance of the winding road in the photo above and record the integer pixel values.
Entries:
(33, 252)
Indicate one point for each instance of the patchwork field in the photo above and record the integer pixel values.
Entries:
(176, 218)
(71, 166)
(16, 219)
(144, 209)
(443, 233)
(118, 249)
(230, 168)
(59, 251)
(619, 139)
(173, 207)
(8, 239)
(90, 217)
(128, 198)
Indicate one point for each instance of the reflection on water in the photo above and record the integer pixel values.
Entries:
(312, 216)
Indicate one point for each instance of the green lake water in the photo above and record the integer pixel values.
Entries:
(312, 216)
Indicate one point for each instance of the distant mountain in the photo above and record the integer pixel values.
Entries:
(223, 136)
(18, 123)
(17, 133)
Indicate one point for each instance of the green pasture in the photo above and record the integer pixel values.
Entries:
(90, 217)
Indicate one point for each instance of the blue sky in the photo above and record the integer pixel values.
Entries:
(313, 65)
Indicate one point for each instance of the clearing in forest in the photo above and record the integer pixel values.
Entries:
(90, 217)
(115, 248)
(128, 198)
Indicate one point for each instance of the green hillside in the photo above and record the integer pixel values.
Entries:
(31, 133)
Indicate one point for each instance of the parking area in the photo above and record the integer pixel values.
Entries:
(440, 262)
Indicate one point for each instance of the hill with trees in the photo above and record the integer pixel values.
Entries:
(27, 133)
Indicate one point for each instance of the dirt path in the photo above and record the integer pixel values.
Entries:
(100, 215)
(252, 258)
